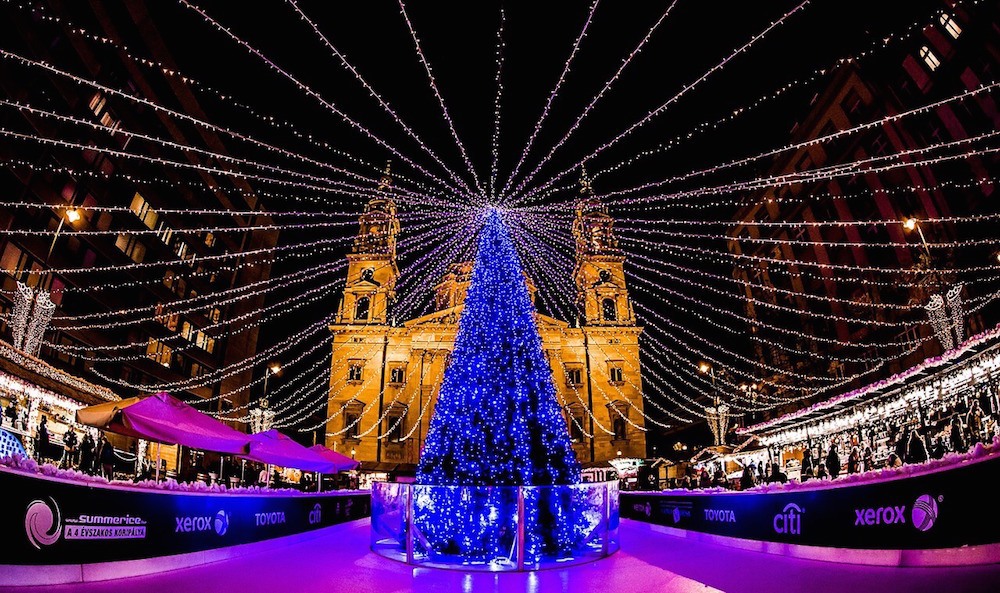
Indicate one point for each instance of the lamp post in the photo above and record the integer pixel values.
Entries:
(718, 427)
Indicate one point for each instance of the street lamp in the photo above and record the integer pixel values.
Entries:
(714, 415)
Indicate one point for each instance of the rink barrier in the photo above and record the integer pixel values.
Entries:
(943, 517)
(60, 531)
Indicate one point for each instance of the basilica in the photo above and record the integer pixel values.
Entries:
(385, 375)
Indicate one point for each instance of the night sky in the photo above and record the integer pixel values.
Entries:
(459, 41)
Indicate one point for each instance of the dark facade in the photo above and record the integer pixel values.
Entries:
(956, 53)
(89, 189)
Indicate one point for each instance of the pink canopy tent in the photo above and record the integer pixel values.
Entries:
(343, 462)
(166, 419)
(275, 448)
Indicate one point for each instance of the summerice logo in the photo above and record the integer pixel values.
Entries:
(42, 523)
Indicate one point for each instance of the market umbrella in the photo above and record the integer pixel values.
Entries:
(343, 462)
(165, 419)
(275, 448)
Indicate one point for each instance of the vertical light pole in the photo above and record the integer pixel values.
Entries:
(707, 369)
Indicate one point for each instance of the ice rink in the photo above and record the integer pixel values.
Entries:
(338, 560)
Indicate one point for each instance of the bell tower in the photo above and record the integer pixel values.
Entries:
(371, 266)
(601, 295)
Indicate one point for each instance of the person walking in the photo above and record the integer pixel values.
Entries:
(106, 456)
(747, 480)
(916, 449)
(974, 423)
(833, 461)
(42, 440)
(854, 461)
(87, 446)
(807, 465)
(70, 442)
(957, 436)
(868, 459)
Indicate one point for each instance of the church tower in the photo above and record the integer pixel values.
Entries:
(601, 296)
(610, 337)
(371, 270)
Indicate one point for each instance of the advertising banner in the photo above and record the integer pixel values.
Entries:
(50, 521)
(947, 508)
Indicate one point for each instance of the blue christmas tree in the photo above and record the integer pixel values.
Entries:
(497, 421)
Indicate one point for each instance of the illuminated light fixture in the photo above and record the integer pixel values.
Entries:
(704, 367)
(274, 367)
(73, 215)
(910, 223)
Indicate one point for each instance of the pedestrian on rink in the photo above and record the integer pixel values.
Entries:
(894, 460)
(938, 450)
(821, 472)
(868, 460)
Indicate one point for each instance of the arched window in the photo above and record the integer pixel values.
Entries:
(619, 427)
(951, 25)
(609, 310)
(929, 58)
(367, 275)
(361, 308)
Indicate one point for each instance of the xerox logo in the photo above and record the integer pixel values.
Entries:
(789, 520)
(720, 515)
(925, 512)
(42, 523)
(316, 514)
(890, 515)
(272, 518)
(220, 523)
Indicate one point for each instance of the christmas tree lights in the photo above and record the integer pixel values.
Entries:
(496, 421)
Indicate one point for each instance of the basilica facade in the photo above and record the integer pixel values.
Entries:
(385, 375)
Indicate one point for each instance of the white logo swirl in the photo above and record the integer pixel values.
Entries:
(42, 528)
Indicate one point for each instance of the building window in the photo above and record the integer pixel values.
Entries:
(619, 427)
(354, 371)
(141, 208)
(168, 319)
(368, 275)
(615, 374)
(395, 420)
(576, 433)
(159, 352)
(574, 376)
(951, 25)
(130, 246)
(97, 103)
(215, 315)
(397, 375)
(929, 58)
(210, 239)
(351, 421)
(361, 308)
(165, 233)
(609, 310)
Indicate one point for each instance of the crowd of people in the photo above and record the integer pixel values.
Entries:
(86, 454)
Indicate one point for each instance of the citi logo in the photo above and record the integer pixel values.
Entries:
(789, 520)
(720, 516)
(272, 518)
(880, 516)
(315, 515)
